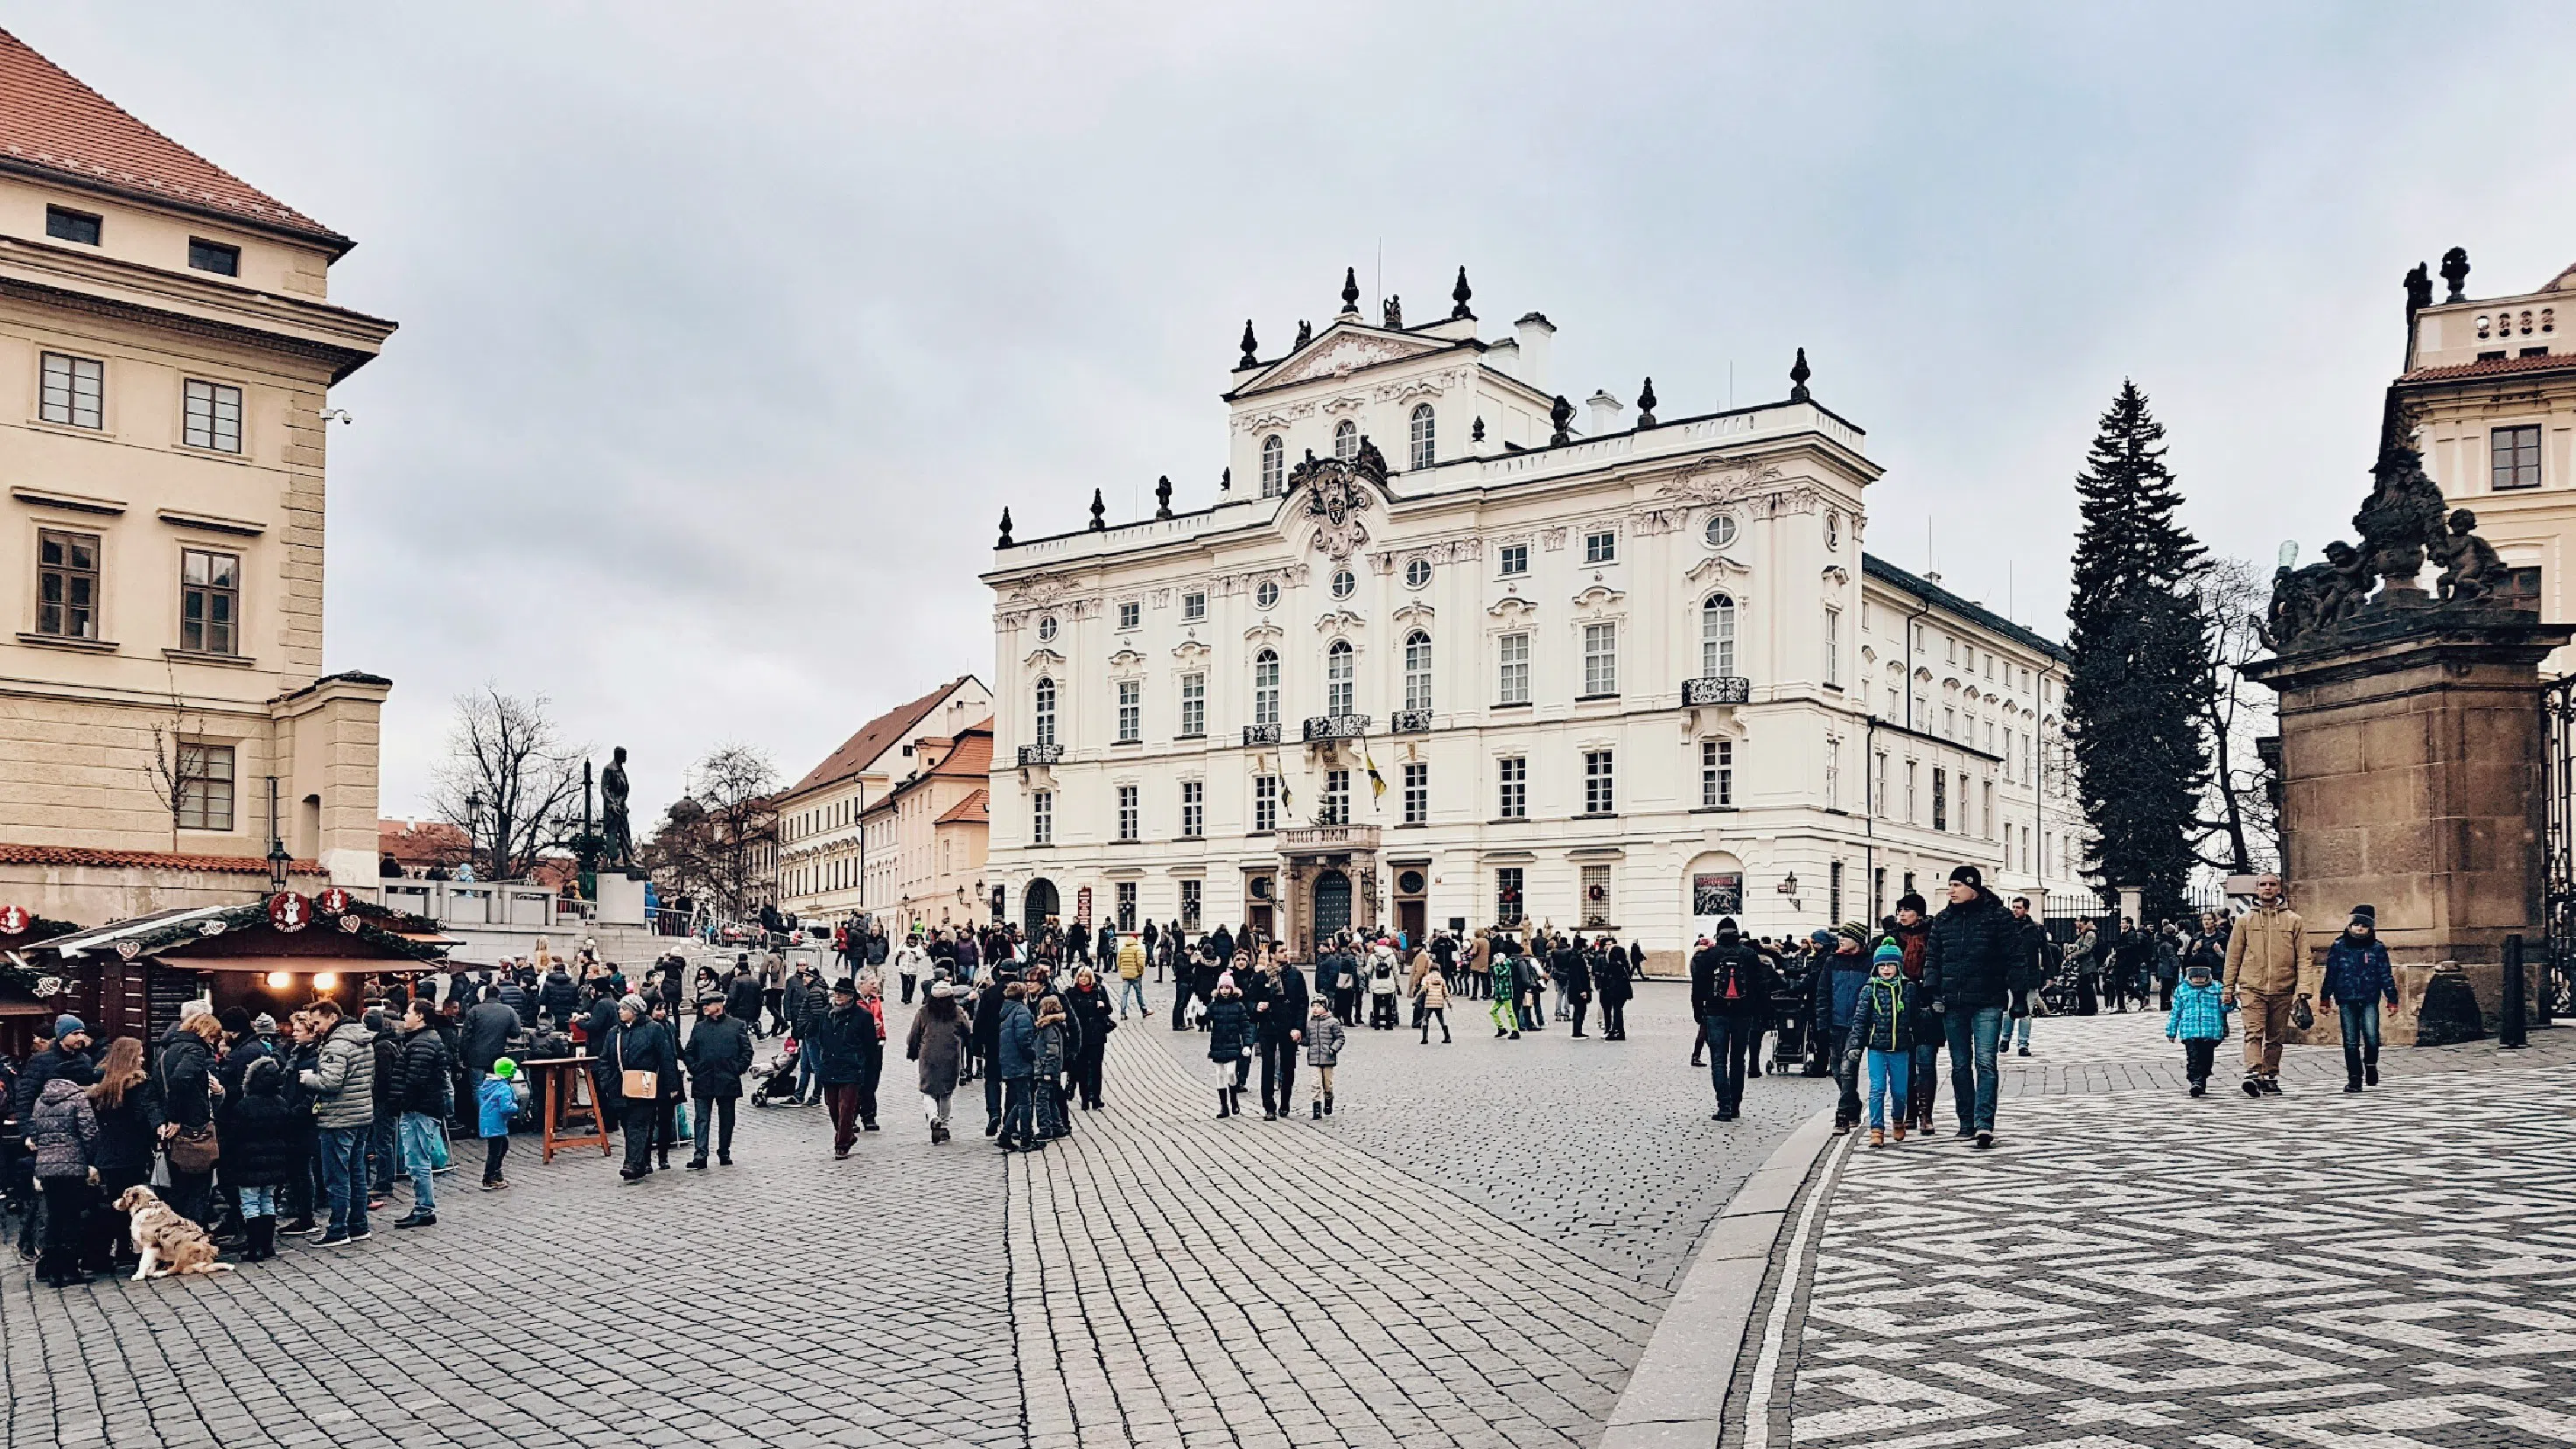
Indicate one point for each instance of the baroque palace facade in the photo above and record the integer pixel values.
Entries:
(1631, 678)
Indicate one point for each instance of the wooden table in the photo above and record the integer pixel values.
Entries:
(568, 1111)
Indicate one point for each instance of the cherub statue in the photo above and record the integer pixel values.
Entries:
(2347, 582)
(2470, 568)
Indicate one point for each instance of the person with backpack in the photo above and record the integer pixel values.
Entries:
(1730, 990)
(1382, 987)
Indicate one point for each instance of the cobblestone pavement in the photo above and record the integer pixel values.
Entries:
(2135, 1269)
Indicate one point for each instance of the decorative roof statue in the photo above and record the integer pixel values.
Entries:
(1305, 334)
(2403, 514)
(1005, 540)
(1476, 434)
(1225, 480)
(1350, 291)
(1459, 294)
(1562, 416)
(1646, 405)
(1163, 496)
(1798, 375)
(1099, 513)
(2470, 568)
(2455, 270)
(617, 832)
(1250, 357)
(1393, 307)
(2419, 291)
(1369, 460)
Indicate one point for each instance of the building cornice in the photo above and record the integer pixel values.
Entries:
(341, 340)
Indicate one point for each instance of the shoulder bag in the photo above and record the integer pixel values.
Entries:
(191, 1150)
(635, 1084)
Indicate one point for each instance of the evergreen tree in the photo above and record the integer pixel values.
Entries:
(2136, 698)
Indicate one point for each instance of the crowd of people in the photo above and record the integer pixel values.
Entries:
(254, 1128)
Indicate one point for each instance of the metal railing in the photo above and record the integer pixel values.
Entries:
(1409, 722)
(1717, 689)
(1261, 734)
(1336, 726)
(1040, 754)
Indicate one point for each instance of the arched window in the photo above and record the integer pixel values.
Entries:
(1346, 440)
(1424, 435)
(1265, 688)
(1274, 466)
(1046, 711)
(1717, 637)
(1338, 692)
(1417, 670)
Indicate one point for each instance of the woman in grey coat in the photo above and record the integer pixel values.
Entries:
(938, 1044)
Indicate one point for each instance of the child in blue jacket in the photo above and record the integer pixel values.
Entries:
(2358, 978)
(2199, 1021)
(1882, 1030)
(496, 1101)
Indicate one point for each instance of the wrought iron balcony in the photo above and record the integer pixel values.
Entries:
(1409, 722)
(1328, 837)
(1717, 689)
(1335, 727)
(1260, 734)
(1040, 754)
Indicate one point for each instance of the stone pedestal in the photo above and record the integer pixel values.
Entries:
(2411, 772)
(621, 899)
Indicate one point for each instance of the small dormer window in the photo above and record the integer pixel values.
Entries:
(1424, 436)
(1346, 440)
(217, 257)
(64, 224)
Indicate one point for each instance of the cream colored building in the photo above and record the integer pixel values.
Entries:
(1632, 675)
(926, 837)
(822, 851)
(2493, 386)
(167, 349)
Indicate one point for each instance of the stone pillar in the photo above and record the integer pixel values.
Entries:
(2412, 776)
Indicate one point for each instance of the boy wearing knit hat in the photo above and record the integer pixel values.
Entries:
(1883, 1032)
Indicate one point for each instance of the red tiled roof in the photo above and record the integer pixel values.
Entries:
(160, 859)
(2491, 367)
(422, 843)
(969, 811)
(873, 739)
(973, 756)
(51, 121)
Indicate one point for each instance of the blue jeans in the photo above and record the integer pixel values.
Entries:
(2021, 1033)
(2360, 1021)
(1017, 1108)
(1133, 991)
(258, 1202)
(1890, 1073)
(418, 1132)
(344, 1177)
(382, 1154)
(1973, 1036)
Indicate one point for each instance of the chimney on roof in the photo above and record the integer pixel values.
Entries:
(1605, 413)
(1533, 332)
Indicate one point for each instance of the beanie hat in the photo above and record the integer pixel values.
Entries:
(1888, 951)
(2365, 916)
(1822, 938)
(1970, 876)
(504, 1068)
(67, 1025)
(1857, 931)
(631, 1002)
(264, 1024)
(234, 1019)
(1910, 902)
(942, 990)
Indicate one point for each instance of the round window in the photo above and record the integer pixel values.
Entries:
(1417, 573)
(1267, 594)
(1721, 530)
(1344, 582)
(1046, 627)
(1261, 887)
(1409, 882)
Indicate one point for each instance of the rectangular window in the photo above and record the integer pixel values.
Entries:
(1716, 773)
(1913, 811)
(1878, 894)
(1949, 723)
(1507, 895)
(72, 389)
(1512, 686)
(1600, 794)
(1834, 780)
(1515, 559)
(1834, 647)
(1190, 904)
(1337, 797)
(214, 416)
(1940, 798)
(204, 787)
(67, 584)
(1834, 892)
(1878, 786)
(64, 224)
(220, 258)
(1126, 905)
(1596, 896)
(1990, 809)
(1601, 548)
(1265, 803)
(1600, 659)
(209, 601)
(1130, 614)
(1193, 607)
(1417, 793)
(2517, 456)
(1128, 824)
(1131, 711)
(1193, 809)
(1513, 771)
(1193, 705)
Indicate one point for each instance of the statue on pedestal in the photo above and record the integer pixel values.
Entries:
(2470, 568)
(617, 835)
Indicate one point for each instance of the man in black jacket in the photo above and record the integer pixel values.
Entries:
(1967, 962)
(1278, 1002)
(742, 995)
(423, 1093)
(718, 1052)
(1730, 991)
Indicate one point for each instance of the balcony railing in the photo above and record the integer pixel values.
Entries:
(1040, 754)
(1409, 722)
(1717, 689)
(1335, 727)
(1328, 837)
(1260, 734)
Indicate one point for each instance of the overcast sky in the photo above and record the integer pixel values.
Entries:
(727, 331)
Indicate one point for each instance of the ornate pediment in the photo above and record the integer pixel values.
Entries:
(1716, 565)
(1598, 598)
(1339, 621)
(1415, 613)
(1512, 606)
(1720, 487)
(1126, 659)
(1189, 650)
(1341, 351)
(1264, 633)
(1044, 659)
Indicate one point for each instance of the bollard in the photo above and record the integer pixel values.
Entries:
(2510, 1033)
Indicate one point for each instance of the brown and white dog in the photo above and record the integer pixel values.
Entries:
(166, 1242)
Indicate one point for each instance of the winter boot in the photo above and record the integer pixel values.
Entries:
(1315, 1110)
(1328, 1104)
(1224, 1103)
(1877, 1137)
(263, 1238)
(1900, 1129)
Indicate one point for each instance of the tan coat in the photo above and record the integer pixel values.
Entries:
(1480, 955)
(2268, 952)
(1434, 991)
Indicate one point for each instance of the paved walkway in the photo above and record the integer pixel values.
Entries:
(2135, 1269)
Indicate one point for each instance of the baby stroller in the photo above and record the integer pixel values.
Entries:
(778, 1081)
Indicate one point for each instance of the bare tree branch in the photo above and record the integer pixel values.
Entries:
(717, 841)
(509, 781)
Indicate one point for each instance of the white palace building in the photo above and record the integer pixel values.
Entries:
(1440, 659)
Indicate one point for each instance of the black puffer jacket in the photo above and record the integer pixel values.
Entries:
(422, 1067)
(560, 997)
(128, 1131)
(260, 1140)
(1968, 955)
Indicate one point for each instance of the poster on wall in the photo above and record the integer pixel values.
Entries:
(1718, 893)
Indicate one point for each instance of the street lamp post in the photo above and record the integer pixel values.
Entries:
(278, 859)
